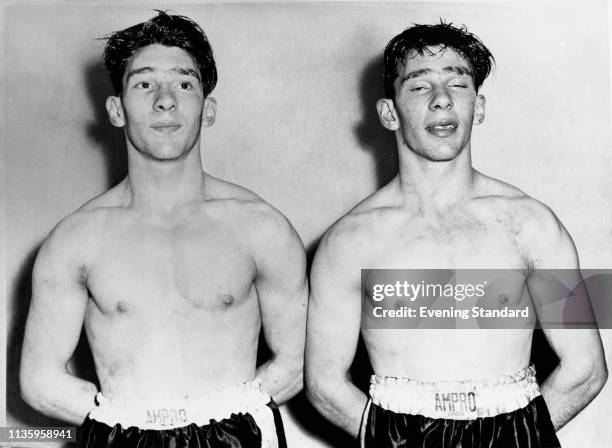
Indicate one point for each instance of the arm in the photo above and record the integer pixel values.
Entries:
(334, 319)
(581, 372)
(283, 294)
(53, 326)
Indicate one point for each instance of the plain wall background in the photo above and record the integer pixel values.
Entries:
(297, 124)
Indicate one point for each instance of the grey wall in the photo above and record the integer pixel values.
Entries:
(297, 124)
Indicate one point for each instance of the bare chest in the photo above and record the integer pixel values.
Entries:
(452, 243)
(443, 271)
(179, 269)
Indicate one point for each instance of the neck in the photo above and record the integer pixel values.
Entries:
(162, 186)
(436, 185)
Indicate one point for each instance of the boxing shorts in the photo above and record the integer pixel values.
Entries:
(504, 412)
(241, 416)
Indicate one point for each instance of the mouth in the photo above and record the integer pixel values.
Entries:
(442, 128)
(166, 127)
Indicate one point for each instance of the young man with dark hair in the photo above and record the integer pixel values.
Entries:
(172, 272)
(440, 213)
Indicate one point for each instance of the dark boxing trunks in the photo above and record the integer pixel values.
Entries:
(504, 412)
(206, 422)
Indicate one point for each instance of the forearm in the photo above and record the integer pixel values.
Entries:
(61, 395)
(281, 378)
(341, 402)
(569, 389)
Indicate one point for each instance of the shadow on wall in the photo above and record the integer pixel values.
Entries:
(104, 136)
(305, 414)
(380, 143)
(372, 136)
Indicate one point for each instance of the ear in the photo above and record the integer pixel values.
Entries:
(210, 111)
(479, 109)
(114, 107)
(387, 114)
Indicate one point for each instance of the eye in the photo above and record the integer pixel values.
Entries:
(419, 88)
(186, 85)
(461, 82)
(143, 85)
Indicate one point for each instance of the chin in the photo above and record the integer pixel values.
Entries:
(440, 158)
(441, 154)
(167, 154)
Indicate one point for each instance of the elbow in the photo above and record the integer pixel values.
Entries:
(317, 389)
(598, 377)
(36, 382)
(297, 375)
(299, 385)
(32, 390)
(297, 379)
(591, 377)
(293, 381)
(314, 396)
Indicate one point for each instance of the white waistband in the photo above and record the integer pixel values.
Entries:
(457, 400)
(175, 413)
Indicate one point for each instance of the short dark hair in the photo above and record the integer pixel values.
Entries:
(164, 29)
(431, 39)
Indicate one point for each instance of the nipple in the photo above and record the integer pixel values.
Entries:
(227, 300)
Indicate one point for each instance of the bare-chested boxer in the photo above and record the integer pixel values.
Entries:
(439, 212)
(172, 272)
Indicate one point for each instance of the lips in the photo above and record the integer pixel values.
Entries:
(166, 127)
(442, 128)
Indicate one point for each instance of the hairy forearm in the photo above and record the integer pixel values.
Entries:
(568, 390)
(341, 402)
(281, 378)
(59, 395)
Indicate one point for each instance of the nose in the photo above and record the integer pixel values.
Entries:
(440, 99)
(164, 100)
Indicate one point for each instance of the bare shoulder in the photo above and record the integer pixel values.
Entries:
(505, 198)
(379, 202)
(251, 213)
(547, 242)
(534, 224)
(77, 234)
(348, 241)
(219, 189)
(66, 251)
(346, 247)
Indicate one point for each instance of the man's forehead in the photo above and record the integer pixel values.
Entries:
(161, 57)
(434, 58)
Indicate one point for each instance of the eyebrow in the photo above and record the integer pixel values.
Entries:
(457, 69)
(179, 70)
(186, 72)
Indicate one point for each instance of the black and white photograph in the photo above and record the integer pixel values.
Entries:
(312, 224)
